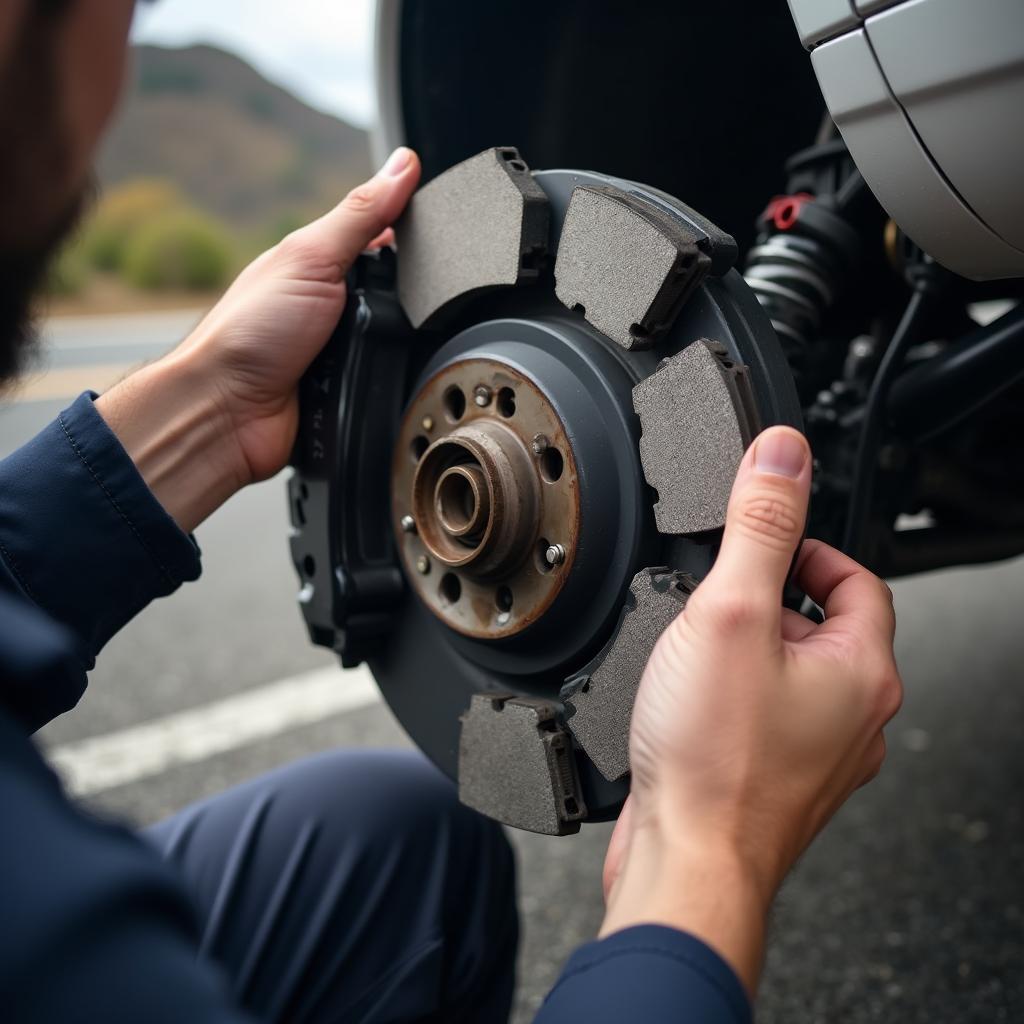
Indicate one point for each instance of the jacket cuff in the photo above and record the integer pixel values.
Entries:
(650, 973)
(82, 533)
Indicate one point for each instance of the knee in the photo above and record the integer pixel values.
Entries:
(387, 800)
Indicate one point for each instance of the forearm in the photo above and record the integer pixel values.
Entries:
(170, 422)
(701, 889)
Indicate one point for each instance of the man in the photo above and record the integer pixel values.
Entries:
(353, 887)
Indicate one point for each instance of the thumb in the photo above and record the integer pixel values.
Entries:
(367, 210)
(764, 525)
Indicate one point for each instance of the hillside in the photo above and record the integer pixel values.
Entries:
(238, 146)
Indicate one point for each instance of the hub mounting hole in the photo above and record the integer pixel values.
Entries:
(418, 446)
(552, 465)
(455, 403)
(507, 403)
(503, 599)
(450, 588)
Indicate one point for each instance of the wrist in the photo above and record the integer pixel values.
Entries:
(699, 885)
(170, 420)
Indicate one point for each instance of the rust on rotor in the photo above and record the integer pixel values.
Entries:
(485, 489)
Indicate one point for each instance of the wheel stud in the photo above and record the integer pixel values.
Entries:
(423, 565)
(408, 524)
(555, 555)
(482, 395)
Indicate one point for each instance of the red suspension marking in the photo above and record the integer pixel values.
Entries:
(784, 211)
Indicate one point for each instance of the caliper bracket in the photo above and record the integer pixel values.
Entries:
(350, 404)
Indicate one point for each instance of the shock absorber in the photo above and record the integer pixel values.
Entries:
(806, 251)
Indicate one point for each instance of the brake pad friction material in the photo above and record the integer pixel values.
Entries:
(696, 411)
(599, 701)
(626, 265)
(517, 765)
(481, 224)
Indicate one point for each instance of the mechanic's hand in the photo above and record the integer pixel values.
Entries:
(753, 724)
(221, 411)
(264, 333)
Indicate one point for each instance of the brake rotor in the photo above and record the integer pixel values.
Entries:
(501, 507)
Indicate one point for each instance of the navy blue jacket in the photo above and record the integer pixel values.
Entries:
(93, 925)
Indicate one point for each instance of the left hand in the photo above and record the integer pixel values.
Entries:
(221, 411)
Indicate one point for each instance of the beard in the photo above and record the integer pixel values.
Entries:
(39, 209)
(24, 272)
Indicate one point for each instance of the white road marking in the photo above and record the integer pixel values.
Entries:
(102, 762)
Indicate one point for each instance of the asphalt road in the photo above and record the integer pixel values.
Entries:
(909, 908)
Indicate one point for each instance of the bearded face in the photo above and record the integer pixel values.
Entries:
(42, 191)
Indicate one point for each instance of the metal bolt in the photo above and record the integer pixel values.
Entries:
(423, 565)
(482, 395)
(428, 423)
(540, 444)
(862, 348)
(555, 555)
(408, 524)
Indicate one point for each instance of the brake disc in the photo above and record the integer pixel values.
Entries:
(513, 465)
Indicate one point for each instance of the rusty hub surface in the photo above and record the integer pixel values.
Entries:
(485, 498)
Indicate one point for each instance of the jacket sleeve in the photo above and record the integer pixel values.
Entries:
(649, 973)
(95, 926)
(83, 538)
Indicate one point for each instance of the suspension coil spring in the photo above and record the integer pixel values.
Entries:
(802, 254)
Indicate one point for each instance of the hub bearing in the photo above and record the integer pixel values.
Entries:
(484, 483)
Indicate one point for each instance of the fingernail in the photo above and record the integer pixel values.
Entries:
(781, 452)
(397, 162)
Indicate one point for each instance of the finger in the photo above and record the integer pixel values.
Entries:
(617, 846)
(763, 526)
(384, 240)
(874, 758)
(796, 626)
(844, 588)
(367, 211)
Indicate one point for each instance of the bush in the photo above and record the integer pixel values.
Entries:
(181, 249)
(121, 213)
(69, 272)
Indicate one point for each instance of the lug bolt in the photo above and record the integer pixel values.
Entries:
(428, 423)
(540, 444)
(482, 395)
(423, 565)
(555, 555)
(408, 524)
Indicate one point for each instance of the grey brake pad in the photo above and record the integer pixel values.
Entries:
(628, 266)
(516, 765)
(599, 701)
(481, 224)
(698, 418)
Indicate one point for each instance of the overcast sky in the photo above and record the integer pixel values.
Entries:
(320, 49)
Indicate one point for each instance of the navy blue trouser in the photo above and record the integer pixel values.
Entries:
(352, 886)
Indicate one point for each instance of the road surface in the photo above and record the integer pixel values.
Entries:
(910, 908)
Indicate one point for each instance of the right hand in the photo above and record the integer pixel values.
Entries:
(753, 724)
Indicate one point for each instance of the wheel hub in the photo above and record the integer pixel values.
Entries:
(485, 498)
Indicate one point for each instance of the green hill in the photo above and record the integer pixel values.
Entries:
(236, 145)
